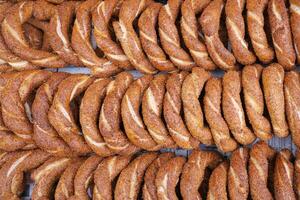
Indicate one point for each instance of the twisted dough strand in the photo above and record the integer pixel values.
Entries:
(191, 89)
(292, 104)
(215, 120)
(81, 42)
(169, 35)
(189, 30)
(281, 34)
(102, 15)
(284, 175)
(256, 22)
(233, 109)
(127, 36)
(210, 23)
(254, 101)
(236, 31)
(149, 39)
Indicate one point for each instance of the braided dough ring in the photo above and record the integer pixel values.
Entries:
(238, 184)
(210, 23)
(102, 15)
(15, 39)
(233, 110)
(81, 42)
(297, 175)
(172, 108)
(256, 22)
(213, 115)
(294, 19)
(167, 178)
(189, 30)
(193, 173)
(44, 135)
(191, 89)
(84, 177)
(46, 176)
(13, 99)
(65, 186)
(59, 28)
(60, 113)
(218, 182)
(236, 31)
(149, 39)
(130, 179)
(105, 175)
(127, 36)
(281, 34)
(152, 105)
(12, 171)
(169, 35)
(292, 105)
(110, 116)
(6, 56)
(254, 101)
(260, 155)
(89, 114)
(272, 79)
(283, 176)
(149, 188)
(131, 118)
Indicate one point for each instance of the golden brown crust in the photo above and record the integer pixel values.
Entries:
(189, 30)
(260, 155)
(89, 113)
(256, 23)
(236, 31)
(105, 175)
(152, 105)
(149, 188)
(131, 118)
(149, 38)
(233, 110)
(14, 36)
(59, 28)
(127, 36)
(283, 176)
(194, 171)
(192, 87)
(60, 114)
(297, 175)
(172, 109)
(294, 20)
(169, 36)
(292, 104)
(281, 34)
(238, 183)
(130, 179)
(218, 182)
(65, 186)
(213, 115)
(44, 135)
(110, 116)
(102, 15)
(84, 177)
(33, 35)
(14, 97)
(81, 42)
(167, 178)
(272, 79)
(46, 176)
(254, 101)
(12, 171)
(210, 23)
